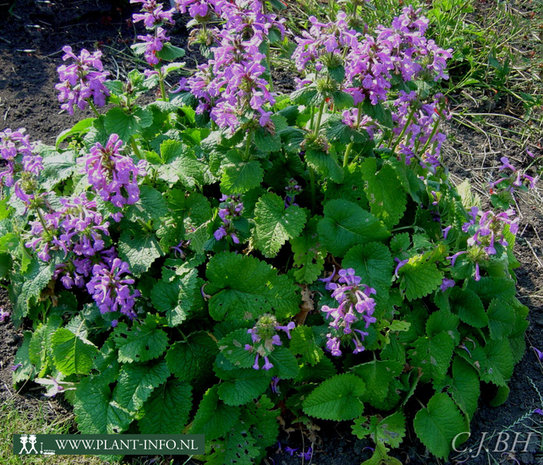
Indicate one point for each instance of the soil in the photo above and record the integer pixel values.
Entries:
(31, 35)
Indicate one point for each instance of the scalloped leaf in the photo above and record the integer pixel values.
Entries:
(337, 398)
(245, 385)
(469, 307)
(419, 277)
(275, 224)
(142, 342)
(438, 424)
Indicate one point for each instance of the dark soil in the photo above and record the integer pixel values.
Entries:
(30, 41)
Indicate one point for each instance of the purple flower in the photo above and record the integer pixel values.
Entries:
(538, 352)
(354, 305)
(264, 337)
(307, 454)
(18, 155)
(401, 263)
(81, 80)
(153, 44)
(489, 228)
(16, 366)
(230, 208)
(446, 284)
(4, 315)
(290, 450)
(112, 175)
(111, 290)
(538, 411)
(453, 258)
(446, 231)
(152, 14)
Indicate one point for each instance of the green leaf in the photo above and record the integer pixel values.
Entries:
(438, 424)
(284, 363)
(39, 351)
(493, 288)
(345, 224)
(337, 73)
(275, 224)
(433, 355)
(136, 383)
(342, 100)
(95, 411)
(79, 129)
(57, 167)
(170, 52)
(373, 263)
(469, 307)
(72, 354)
(465, 386)
(180, 164)
(192, 359)
(336, 398)
(419, 277)
(303, 343)
(244, 288)
(151, 206)
(22, 359)
(389, 430)
(246, 385)
(385, 194)
(241, 177)
(167, 410)
(494, 362)
(378, 112)
(336, 129)
(501, 318)
(142, 342)
(213, 418)
(26, 288)
(378, 376)
(125, 125)
(325, 164)
(139, 247)
(308, 256)
(443, 320)
(232, 346)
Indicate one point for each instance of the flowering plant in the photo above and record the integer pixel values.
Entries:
(198, 262)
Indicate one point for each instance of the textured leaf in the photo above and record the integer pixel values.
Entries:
(303, 343)
(325, 164)
(141, 343)
(377, 376)
(193, 358)
(438, 424)
(433, 355)
(232, 346)
(243, 287)
(247, 385)
(465, 386)
(167, 410)
(151, 206)
(469, 307)
(285, 364)
(241, 177)
(22, 359)
(345, 224)
(57, 167)
(336, 398)
(389, 430)
(494, 362)
(80, 128)
(72, 354)
(213, 418)
(493, 288)
(501, 318)
(275, 224)
(125, 125)
(373, 263)
(138, 247)
(95, 411)
(385, 194)
(308, 257)
(180, 164)
(419, 277)
(137, 382)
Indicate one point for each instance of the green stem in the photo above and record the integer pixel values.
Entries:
(434, 130)
(319, 118)
(404, 129)
(350, 146)
(135, 147)
(42, 220)
(248, 142)
(161, 83)
(93, 107)
(313, 188)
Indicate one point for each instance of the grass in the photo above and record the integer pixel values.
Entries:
(36, 420)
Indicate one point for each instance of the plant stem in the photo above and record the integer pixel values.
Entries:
(247, 154)
(313, 188)
(135, 147)
(404, 129)
(350, 146)
(319, 118)
(161, 83)
(93, 107)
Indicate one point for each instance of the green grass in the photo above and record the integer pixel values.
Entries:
(34, 419)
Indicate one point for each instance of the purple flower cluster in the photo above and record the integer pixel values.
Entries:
(515, 178)
(78, 228)
(231, 84)
(112, 175)
(416, 129)
(230, 207)
(82, 80)
(17, 153)
(264, 337)
(355, 304)
(324, 43)
(111, 290)
(292, 189)
(153, 17)
(487, 229)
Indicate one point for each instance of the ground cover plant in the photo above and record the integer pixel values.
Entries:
(222, 242)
